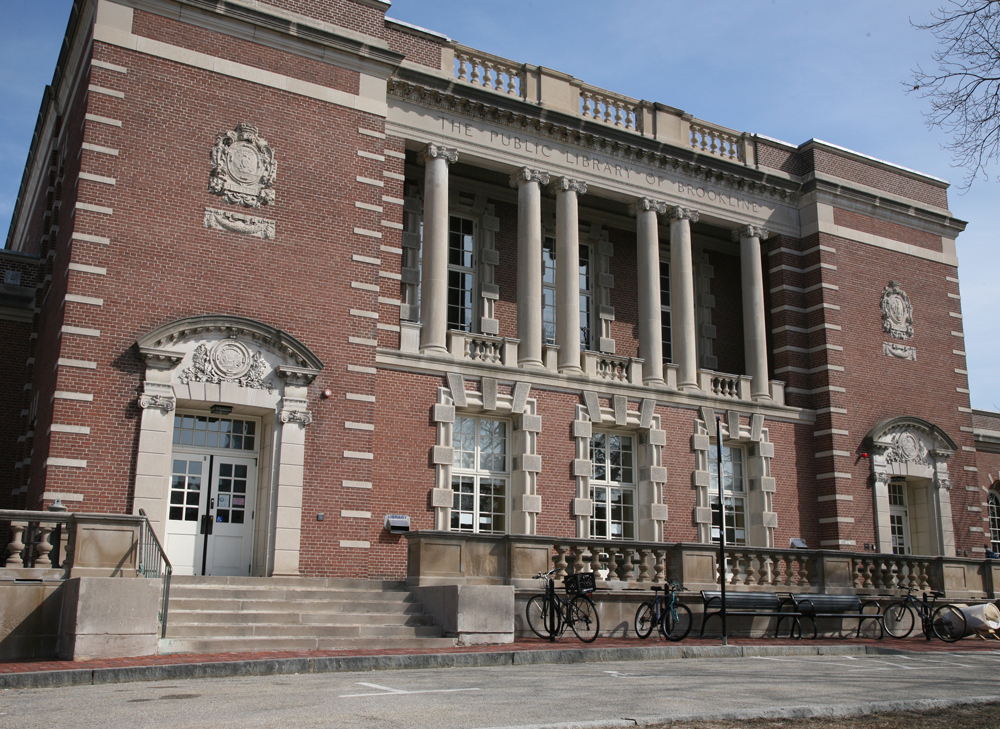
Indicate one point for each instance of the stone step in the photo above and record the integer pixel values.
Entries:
(239, 645)
(197, 617)
(329, 606)
(283, 609)
(270, 630)
(247, 617)
(304, 582)
(279, 594)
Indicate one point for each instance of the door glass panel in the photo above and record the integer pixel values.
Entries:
(185, 490)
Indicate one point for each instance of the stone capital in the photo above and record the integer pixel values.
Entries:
(303, 417)
(644, 204)
(161, 402)
(526, 174)
(437, 151)
(679, 213)
(750, 231)
(565, 184)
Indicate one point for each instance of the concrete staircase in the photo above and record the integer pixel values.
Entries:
(236, 614)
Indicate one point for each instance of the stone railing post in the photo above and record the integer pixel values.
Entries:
(15, 548)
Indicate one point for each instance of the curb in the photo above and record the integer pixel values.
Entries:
(339, 664)
(810, 711)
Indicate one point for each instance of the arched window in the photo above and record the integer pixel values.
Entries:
(994, 521)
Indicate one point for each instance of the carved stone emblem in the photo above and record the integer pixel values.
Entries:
(236, 222)
(897, 312)
(901, 351)
(907, 448)
(228, 361)
(243, 167)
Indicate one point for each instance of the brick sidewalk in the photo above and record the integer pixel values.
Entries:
(525, 644)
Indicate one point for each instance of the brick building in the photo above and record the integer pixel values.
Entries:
(279, 268)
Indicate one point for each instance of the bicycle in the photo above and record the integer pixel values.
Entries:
(671, 616)
(946, 622)
(549, 614)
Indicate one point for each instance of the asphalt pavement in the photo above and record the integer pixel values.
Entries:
(624, 693)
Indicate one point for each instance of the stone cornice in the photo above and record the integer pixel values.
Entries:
(519, 115)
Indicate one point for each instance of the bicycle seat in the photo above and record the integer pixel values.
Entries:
(935, 594)
(657, 588)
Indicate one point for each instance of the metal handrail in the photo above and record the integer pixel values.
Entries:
(153, 563)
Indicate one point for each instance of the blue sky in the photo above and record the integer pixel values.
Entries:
(791, 69)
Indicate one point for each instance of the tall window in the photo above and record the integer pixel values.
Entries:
(586, 298)
(549, 290)
(898, 518)
(479, 476)
(461, 248)
(994, 507)
(734, 488)
(665, 309)
(612, 487)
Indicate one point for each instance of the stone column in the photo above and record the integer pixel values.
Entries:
(684, 328)
(434, 279)
(529, 264)
(648, 269)
(568, 272)
(754, 326)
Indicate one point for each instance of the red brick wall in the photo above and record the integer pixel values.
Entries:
(185, 35)
(885, 229)
(873, 175)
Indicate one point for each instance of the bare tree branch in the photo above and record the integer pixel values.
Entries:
(964, 91)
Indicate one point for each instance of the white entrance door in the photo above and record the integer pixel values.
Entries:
(899, 518)
(210, 517)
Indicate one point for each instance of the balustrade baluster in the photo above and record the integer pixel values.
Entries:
(489, 75)
(659, 565)
(463, 71)
(15, 558)
(511, 79)
(806, 570)
(595, 561)
(736, 574)
(578, 552)
(43, 546)
(474, 77)
(643, 565)
(753, 572)
(560, 561)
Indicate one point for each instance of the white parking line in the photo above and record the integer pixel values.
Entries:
(388, 691)
(931, 660)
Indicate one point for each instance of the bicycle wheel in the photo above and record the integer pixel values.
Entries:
(677, 622)
(583, 618)
(644, 620)
(899, 619)
(542, 619)
(948, 623)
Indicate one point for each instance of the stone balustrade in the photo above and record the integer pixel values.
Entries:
(613, 368)
(718, 141)
(736, 387)
(458, 558)
(48, 545)
(489, 71)
(483, 348)
(604, 106)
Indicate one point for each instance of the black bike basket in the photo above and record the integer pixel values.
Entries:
(580, 583)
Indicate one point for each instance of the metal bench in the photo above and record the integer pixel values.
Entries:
(838, 606)
(756, 604)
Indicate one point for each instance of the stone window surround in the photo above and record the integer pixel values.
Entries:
(761, 519)
(525, 463)
(283, 414)
(887, 460)
(652, 474)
